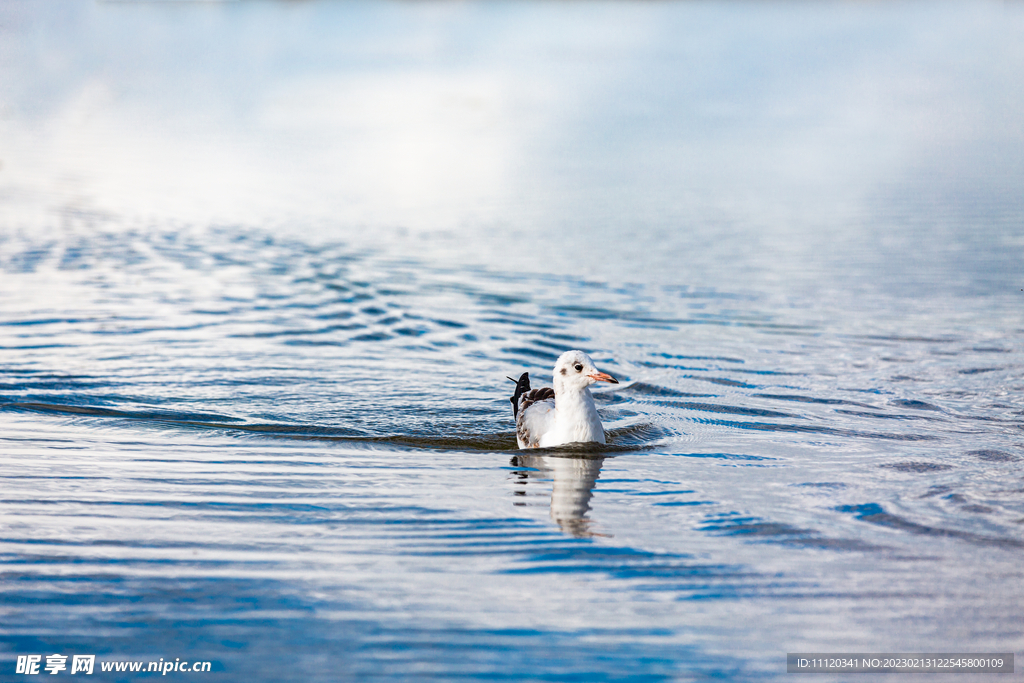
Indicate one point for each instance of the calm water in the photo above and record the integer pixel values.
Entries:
(265, 267)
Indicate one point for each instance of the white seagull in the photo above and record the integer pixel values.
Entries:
(566, 414)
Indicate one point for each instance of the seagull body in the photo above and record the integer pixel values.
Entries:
(564, 414)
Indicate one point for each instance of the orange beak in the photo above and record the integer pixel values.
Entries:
(603, 377)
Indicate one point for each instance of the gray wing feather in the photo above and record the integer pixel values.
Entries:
(536, 415)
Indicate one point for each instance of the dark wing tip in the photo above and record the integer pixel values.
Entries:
(522, 386)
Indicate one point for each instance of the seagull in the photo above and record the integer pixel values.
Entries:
(566, 414)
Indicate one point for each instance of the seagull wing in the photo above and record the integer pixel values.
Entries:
(522, 386)
(535, 417)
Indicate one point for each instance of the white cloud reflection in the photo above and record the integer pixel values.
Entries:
(751, 134)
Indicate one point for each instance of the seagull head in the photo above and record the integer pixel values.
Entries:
(574, 370)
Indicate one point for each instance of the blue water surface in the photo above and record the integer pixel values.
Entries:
(264, 269)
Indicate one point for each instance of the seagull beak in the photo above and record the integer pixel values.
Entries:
(603, 377)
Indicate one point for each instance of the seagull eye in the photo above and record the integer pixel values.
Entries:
(579, 368)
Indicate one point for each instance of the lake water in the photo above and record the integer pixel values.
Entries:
(264, 268)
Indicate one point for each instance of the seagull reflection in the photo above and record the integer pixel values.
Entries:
(573, 478)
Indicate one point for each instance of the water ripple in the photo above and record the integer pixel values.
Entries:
(249, 433)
